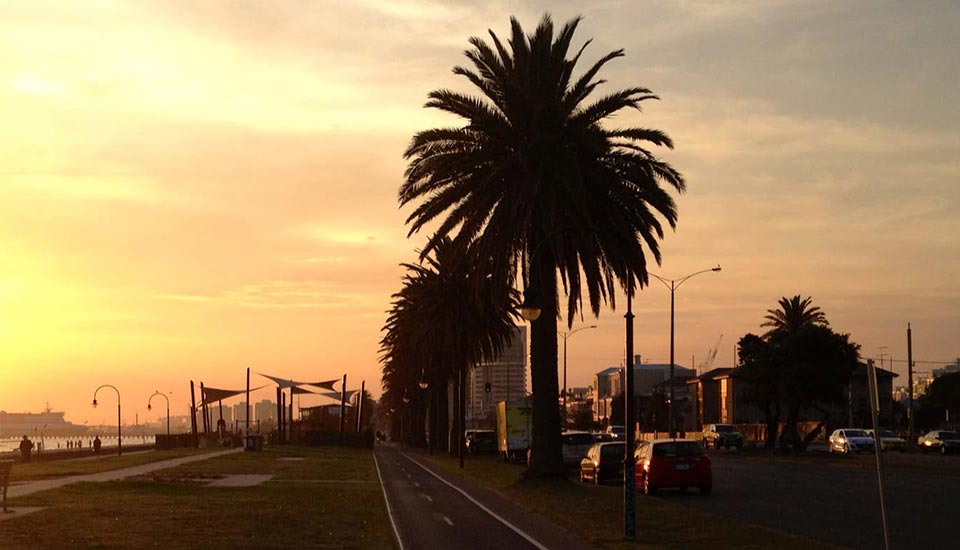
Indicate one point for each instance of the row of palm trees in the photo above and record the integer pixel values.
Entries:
(531, 189)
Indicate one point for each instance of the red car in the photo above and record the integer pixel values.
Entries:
(673, 463)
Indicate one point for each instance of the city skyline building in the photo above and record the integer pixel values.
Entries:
(507, 376)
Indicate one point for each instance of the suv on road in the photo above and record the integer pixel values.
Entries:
(481, 441)
(721, 435)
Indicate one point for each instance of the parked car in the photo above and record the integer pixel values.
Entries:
(604, 461)
(618, 432)
(673, 463)
(850, 440)
(603, 437)
(721, 435)
(889, 441)
(940, 440)
(481, 441)
(575, 446)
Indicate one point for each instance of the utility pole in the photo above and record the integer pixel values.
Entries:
(193, 415)
(363, 384)
(878, 452)
(910, 430)
(629, 465)
(279, 414)
(343, 402)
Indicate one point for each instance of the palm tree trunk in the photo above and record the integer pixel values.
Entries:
(442, 416)
(772, 414)
(545, 456)
(452, 422)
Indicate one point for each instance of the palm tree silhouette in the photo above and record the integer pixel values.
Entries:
(447, 317)
(535, 179)
(793, 314)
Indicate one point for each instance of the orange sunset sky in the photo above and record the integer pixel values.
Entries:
(191, 188)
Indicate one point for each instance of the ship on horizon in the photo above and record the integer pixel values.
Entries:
(49, 422)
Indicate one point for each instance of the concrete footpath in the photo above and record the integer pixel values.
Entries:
(30, 487)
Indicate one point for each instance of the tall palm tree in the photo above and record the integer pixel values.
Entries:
(541, 185)
(447, 317)
(793, 314)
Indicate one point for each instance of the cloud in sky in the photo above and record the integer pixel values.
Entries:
(193, 188)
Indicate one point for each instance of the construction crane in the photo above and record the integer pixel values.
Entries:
(707, 363)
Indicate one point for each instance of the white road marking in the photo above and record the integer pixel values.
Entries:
(415, 484)
(426, 497)
(515, 529)
(393, 523)
(446, 519)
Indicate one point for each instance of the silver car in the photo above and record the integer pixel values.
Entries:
(575, 446)
(850, 440)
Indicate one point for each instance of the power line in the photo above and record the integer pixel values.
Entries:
(925, 362)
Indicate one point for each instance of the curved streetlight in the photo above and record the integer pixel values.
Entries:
(156, 393)
(530, 307)
(423, 382)
(673, 285)
(119, 433)
(566, 335)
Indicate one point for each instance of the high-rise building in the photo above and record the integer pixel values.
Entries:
(506, 375)
(227, 414)
(240, 412)
(265, 410)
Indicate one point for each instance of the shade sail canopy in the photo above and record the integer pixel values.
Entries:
(327, 384)
(285, 383)
(336, 394)
(297, 390)
(212, 395)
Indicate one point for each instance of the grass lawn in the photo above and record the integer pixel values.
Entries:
(331, 498)
(595, 514)
(35, 470)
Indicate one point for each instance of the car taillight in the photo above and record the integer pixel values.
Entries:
(646, 465)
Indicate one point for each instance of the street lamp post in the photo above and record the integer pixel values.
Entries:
(566, 335)
(673, 285)
(156, 393)
(629, 461)
(119, 432)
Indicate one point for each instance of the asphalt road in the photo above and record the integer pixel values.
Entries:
(431, 509)
(836, 500)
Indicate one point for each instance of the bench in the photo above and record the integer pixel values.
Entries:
(5, 467)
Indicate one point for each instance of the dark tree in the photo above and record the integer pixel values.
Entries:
(793, 314)
(656, 413)
(943, 395)
(543, 187)
(816, 365)
(582, 419)
(759, 369)
(800, 363)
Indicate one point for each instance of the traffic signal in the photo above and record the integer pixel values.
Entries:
(486, 387)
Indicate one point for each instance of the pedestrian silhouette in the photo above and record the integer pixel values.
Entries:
(96, 445)
(25, 447)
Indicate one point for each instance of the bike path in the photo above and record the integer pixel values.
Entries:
(431, 508)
